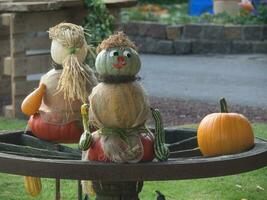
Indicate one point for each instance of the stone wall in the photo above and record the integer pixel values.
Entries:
(197, 38)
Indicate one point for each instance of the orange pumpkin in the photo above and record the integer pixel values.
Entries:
(224, 133)
(96, 152)
(66, 133)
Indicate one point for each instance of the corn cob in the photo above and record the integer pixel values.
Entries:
(33, 185)
(88, 188)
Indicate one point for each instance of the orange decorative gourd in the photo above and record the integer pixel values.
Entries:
(246, 5)
(224, 133)
(32, 102)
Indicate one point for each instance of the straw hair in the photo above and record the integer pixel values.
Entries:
(76, 74)
(117, 40)
(68, 35)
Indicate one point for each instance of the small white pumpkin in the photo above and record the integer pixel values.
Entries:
(59, 52)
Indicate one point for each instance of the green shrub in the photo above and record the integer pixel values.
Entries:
(163, 1)
(262, 13)
(98, 25)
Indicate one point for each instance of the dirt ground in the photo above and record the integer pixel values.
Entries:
(179, 112)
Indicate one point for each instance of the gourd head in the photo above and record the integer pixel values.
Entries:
(117, 56)
(67, 39)
(118, 61)
(60, 52)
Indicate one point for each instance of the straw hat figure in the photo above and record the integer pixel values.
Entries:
(119, 107)
(54, 107)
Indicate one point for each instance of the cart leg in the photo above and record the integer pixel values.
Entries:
(117, 190)
(57, 189)
(80, 192)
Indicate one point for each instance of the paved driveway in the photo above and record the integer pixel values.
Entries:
(242, 79)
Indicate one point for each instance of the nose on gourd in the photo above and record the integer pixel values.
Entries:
(121, 59)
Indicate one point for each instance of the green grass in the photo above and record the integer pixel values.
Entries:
(250, 186)
(14, 124)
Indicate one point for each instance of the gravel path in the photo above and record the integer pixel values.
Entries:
(186, 88)
(179, 112)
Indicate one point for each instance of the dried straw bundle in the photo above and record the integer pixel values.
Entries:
(119, 40)
(70, 48)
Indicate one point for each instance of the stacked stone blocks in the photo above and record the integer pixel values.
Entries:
(197, 38)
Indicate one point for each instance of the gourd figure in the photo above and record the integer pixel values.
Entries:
(55, 106)
(119, 107)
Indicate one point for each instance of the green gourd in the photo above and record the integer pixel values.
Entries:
(118, 62)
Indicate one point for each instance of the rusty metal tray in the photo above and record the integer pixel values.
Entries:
(23, 154)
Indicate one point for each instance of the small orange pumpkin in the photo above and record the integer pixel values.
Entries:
(224, 133)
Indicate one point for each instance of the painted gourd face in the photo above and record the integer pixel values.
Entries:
(118, 62)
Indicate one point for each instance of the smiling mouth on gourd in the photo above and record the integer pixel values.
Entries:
(119, 65)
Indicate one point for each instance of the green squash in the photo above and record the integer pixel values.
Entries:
(118, 62)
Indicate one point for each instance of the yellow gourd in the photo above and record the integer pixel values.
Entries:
(32, 102)
(32, 185)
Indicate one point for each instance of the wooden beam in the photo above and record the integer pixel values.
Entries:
(23, 66)
(120, 3)
(9, 111)
(33, 41)
(23, 88)
(4, 32)
(30, 22)
(39, 5)
(5, 86)
(17, 108)
(25, 6)
(7, 66)
(38, 64)
(5, 47)
(5, 19)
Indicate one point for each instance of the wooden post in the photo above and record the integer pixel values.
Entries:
(57, 189)
(5, 80)
(80, 194)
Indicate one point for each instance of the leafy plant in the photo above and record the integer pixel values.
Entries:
(163, 1)
(98, 25)
(262, 13)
